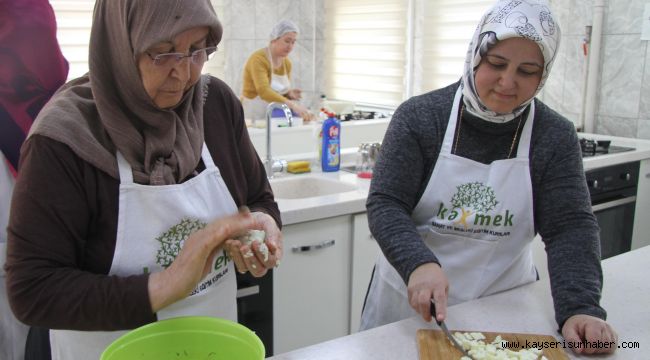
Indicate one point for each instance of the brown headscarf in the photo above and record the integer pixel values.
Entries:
(108, 109)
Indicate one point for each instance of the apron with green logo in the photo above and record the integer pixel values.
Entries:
(153, 223)
(477, 219)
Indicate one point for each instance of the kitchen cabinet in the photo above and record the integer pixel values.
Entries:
(364, 255)
(311, 287)
(641, 232)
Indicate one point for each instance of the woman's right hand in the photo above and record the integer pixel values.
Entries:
(304, 113)
(195, 260)
(427, 282)
(249, 258)
(294, 94)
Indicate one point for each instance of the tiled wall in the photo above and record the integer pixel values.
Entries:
(247, 24)
(624, 91)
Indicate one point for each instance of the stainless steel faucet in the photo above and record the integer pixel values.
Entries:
(273, 166)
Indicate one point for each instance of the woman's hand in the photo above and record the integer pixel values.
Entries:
(195, 259)
(579, 328)
(304, 113)
(427, 282)
(250, 258)
(294, 94)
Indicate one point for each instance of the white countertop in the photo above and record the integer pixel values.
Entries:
(527, 309)
(307, 209)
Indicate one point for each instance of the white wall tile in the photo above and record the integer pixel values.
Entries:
(644, 106)
(579, 16)
(643, 131)
(242, 21)
(239, 52)
(266, 15)
(624, 17)
(622, 71)
(616, 126)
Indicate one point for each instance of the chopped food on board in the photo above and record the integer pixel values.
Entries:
(474, 343)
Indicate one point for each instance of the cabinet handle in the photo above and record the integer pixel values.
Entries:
(248, 291)
(304, 248)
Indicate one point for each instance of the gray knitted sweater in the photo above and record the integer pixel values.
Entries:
(562, 208)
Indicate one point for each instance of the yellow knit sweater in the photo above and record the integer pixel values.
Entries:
(257, 77)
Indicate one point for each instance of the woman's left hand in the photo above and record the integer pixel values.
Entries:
(579, 328)
(250, 258)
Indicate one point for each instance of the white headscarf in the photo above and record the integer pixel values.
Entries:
(281, 28)
(529, 19)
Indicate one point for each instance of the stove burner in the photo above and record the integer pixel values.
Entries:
(361, 115)
(591, 147)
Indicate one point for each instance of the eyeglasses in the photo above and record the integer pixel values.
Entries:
(198, 57)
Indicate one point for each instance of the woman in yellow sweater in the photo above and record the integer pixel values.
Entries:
(267, 75)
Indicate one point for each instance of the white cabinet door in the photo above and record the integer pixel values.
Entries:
(364, 255)
(641, 234)
(311, 287)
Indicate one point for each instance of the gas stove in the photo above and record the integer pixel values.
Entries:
(592, 147)
(362, 115)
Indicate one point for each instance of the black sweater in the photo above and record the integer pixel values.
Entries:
(562, 208)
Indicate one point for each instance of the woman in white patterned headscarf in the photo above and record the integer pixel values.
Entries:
(508, 20)
(471, 173)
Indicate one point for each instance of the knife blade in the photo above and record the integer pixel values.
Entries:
(446, 331)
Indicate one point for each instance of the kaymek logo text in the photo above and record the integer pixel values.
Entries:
(471, 204)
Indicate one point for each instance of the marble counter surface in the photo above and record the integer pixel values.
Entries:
(527, 309)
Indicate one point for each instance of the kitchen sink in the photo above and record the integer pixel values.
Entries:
(301, 187)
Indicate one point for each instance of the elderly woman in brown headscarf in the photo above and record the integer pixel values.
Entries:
(126, 209)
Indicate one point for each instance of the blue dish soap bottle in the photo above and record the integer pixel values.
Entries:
(331, 144)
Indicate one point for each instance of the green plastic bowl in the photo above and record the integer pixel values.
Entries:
(187, 338)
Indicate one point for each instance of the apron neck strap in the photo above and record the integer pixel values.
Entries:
(207, 158)
(523, 148)
(451, 124)
(126, 173)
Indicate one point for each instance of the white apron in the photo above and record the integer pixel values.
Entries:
(153, 222)
(255, 109)
(477, 219)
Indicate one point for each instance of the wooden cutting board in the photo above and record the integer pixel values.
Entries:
(433, 344)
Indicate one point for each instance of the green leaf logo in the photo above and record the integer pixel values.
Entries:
(473, 196)
(172, 241)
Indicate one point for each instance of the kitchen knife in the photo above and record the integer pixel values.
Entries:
(446, 331)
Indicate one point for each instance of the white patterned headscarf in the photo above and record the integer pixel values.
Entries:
(529, 19)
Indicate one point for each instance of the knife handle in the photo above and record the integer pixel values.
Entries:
(432, 309)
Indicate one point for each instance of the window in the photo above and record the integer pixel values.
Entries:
(368, 55)
(447, 29)
(74, 20)
(365, 50)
